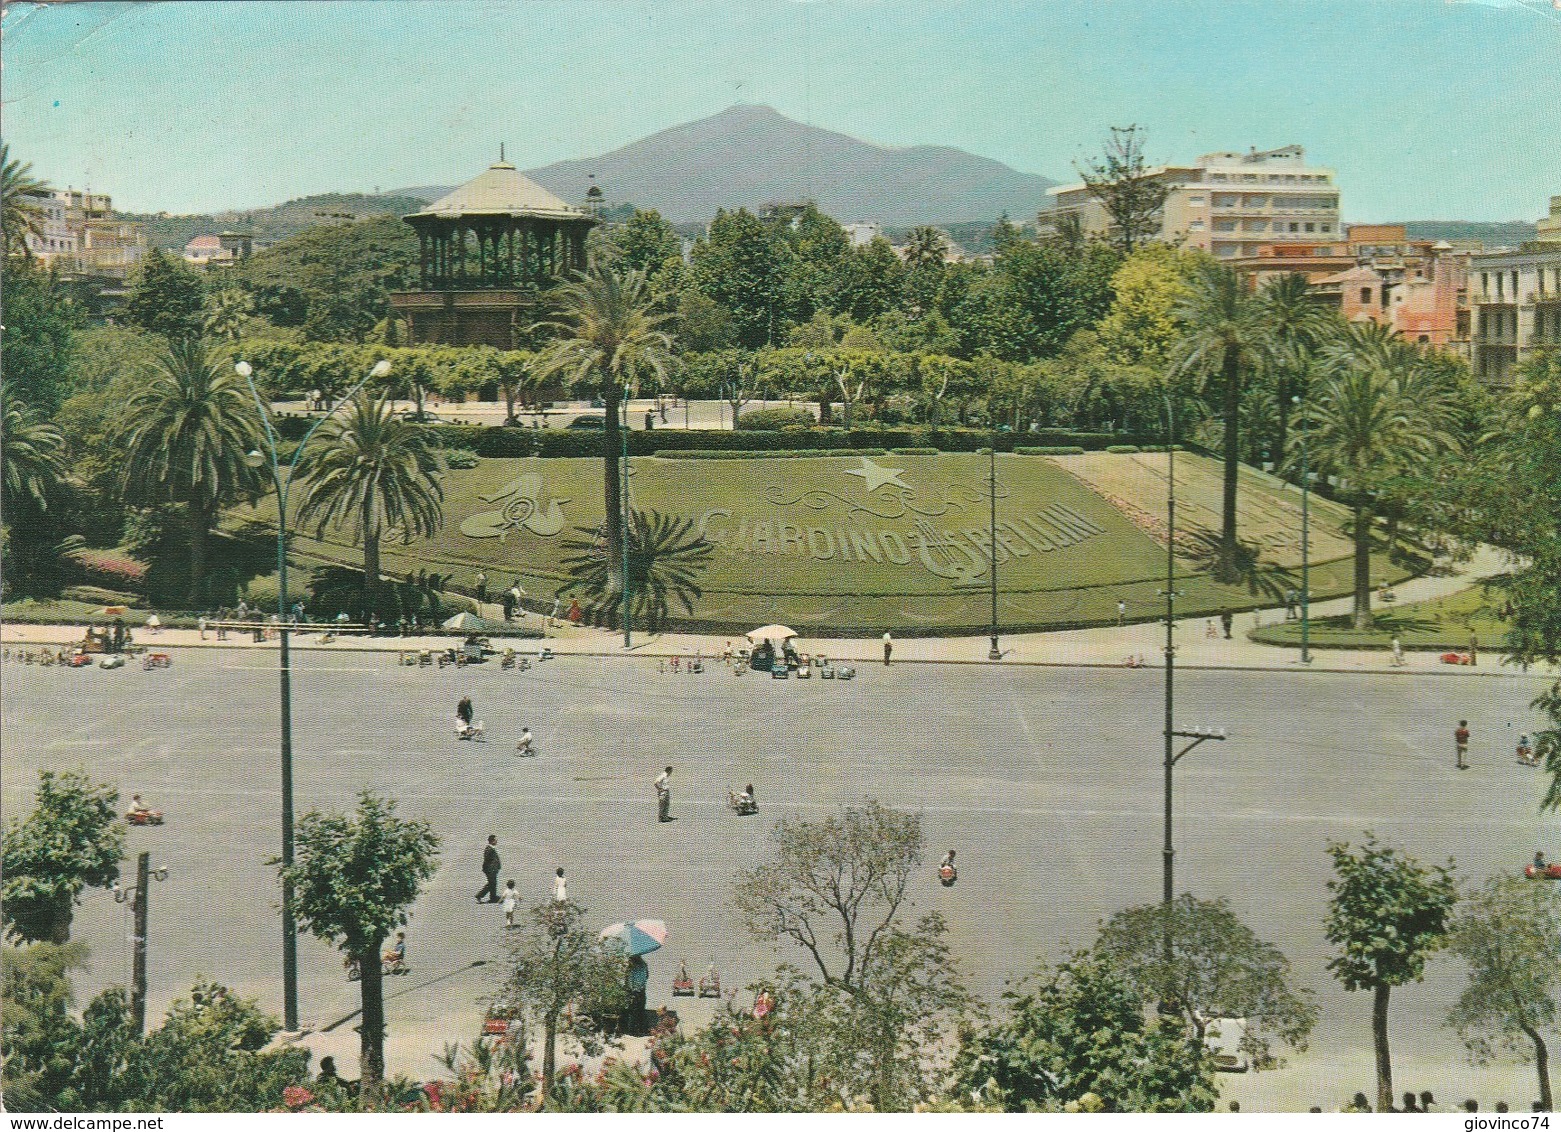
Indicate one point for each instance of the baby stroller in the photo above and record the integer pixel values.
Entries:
(472, 731)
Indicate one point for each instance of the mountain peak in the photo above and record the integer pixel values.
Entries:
(750, 154)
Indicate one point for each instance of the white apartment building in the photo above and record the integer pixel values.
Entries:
(1515, 309)
(82, 235)
(1227, 204)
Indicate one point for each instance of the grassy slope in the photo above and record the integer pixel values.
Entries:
(1078, 585)
(1439, 625)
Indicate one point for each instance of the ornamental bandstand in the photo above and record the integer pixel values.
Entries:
(486, 252)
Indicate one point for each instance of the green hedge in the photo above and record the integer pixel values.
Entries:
(460, 458)
(914, 451)
(1049, 450)
(781, 417)
(1124, 449)
(771, 454)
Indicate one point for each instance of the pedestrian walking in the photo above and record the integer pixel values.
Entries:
(508, 604)
(1121, 611)
(482, 587)
(298, 612)
(888, 649)
(464, 711)
(560, 887)
(664, 795)
(1398, 653)
(511, 902)
(1461, 743)
(552, 617)
(1474, 650)
(1227, 620)
(576, 615)
(491, 864)
(201, 625)
(1291, 597)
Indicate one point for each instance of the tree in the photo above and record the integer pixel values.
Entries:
(40, 1039)
(1223, 339)
(609, 336)
(71, 841)
(354, 877)
(21, 203)
(39, 336)
(1218, 968)
(645, 241)
(742, 265)
(571, 981)
(185, 437)
(165, 297)
(1296, 324)
(1078, 1039)
(1141, 328)
(1376, 412)
(834, 887)
(871, 281)
(1509, 933)
(225, 314)
(33, 456)
(1132, 194)
(1387, 914)
(375, 476)
(666, 557)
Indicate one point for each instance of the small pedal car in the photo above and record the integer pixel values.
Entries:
(156, 660)
(144, 817)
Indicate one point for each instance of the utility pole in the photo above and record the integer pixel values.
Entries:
(138, 897)
(991, 490)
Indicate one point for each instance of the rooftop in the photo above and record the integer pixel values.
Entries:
(501, 190)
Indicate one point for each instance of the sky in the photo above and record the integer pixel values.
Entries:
(1426, 109)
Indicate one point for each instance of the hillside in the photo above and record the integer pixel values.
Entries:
(1492, 235)
(271, 225)
(750, 155)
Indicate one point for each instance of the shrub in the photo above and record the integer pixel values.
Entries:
(914, 451)
(505, 443)
(773, 454)
(1049, 450)
(111, 568)
(96, 595)
(577, 442)
(776, 418)
(460, 458)
(1123, 449)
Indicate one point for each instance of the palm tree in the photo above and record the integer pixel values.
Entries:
(666, 557)
(1223, 336)
(225, 313)
(1377, 411)
(925, 247)
(21, 203)
(374, 475)
(609, 333)
(185, 437)
(33, 453)
(1295, 323)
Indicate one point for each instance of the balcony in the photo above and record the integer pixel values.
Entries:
(1492, 298)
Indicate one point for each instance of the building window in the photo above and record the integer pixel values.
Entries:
(1196, 226)
(1294, 227)
(1195, 199)
(1310, 227)
(1365, 295)
(1327, 228)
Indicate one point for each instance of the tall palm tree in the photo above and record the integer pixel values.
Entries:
(1223, 337)
(33, 452)
(1295, 323)
(1377, 411)
(375, 476)
(185, 437)
(609, 335)
(21, 203)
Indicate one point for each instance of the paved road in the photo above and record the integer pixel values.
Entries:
(1045, 779)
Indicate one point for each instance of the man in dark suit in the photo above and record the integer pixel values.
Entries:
(490, 869)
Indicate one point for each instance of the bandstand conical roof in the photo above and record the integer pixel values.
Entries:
(502, 190)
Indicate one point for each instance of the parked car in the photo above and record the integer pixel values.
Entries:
(588, 420)
(425, 418)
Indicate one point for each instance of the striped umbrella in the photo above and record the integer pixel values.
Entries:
(637, 937)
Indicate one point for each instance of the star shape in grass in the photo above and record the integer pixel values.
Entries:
(875, 476)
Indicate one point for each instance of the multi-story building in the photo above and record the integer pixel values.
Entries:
(223, 250)
(1515, 301)
(1550, 226)
(82, 236)
(1227, 204)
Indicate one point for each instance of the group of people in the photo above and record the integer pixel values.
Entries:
(468, 726)
(510, 900)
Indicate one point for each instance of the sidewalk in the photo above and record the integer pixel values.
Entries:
(1101, 647)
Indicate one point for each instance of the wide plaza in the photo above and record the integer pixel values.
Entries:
(1047, 781)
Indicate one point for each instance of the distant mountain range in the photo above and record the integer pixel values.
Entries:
(269, 225)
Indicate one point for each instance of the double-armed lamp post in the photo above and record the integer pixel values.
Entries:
(258, 459)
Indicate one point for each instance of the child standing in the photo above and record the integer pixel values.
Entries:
(511, 902)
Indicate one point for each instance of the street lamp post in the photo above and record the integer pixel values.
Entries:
(623, 539)
(1306, 561)
(994, 653)
(1168, 888)
(257, 459)
(138, 897)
